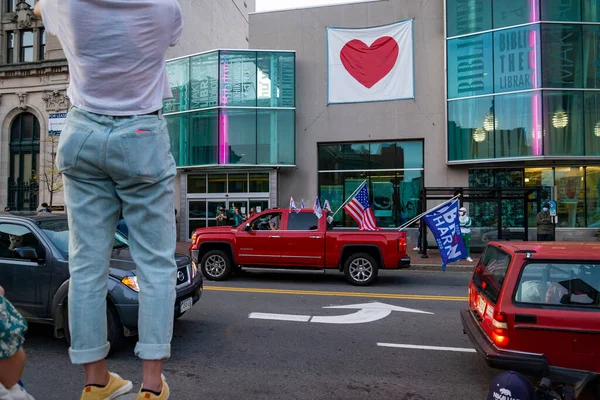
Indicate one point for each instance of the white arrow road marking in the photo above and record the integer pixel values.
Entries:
(435, 348)
(367, 312)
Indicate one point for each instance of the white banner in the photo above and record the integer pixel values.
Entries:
(370, 64)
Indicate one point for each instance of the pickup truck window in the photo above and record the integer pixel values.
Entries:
(560, 284)
(303, 222)
(267, 222)
(13, 236)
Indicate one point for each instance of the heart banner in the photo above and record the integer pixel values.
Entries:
(370, 64)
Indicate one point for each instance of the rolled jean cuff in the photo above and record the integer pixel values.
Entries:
(153, 351)
(89, 356)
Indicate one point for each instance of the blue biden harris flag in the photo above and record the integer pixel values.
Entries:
(445, 226)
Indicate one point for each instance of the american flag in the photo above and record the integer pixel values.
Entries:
(360, 210)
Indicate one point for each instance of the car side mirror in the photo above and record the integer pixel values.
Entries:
(28, 253)
(248, 228)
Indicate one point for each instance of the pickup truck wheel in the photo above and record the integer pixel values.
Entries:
(216, 265)
(360, 269)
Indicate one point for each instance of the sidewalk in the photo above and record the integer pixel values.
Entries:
(433, 263)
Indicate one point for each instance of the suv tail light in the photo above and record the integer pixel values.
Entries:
(500, 329)
(402, 242)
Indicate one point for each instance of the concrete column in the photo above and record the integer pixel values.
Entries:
(36, 44)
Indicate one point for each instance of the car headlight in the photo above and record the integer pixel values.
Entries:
(131, 282)
(194, 269)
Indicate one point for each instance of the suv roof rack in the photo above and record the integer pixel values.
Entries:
(527, 253)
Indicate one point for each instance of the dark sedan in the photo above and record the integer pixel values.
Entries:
(35, 275)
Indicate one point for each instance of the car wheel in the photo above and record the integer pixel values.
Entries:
(116, 337)
(361, 269)
(216, 265)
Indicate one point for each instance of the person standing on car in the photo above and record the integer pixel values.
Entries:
(465, 230)
(545, 226)
(115, 152)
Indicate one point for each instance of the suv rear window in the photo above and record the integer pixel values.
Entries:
(490, 272)
(560, 284)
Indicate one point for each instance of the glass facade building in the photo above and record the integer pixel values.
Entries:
(523, 89)
(232, 107)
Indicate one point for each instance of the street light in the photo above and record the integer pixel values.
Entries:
(560, 119)
(479, 135)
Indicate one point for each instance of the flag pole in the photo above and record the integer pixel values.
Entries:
(418, 217)
(351, 196)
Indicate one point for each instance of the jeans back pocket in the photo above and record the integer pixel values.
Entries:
(147, 153)
(70, 143)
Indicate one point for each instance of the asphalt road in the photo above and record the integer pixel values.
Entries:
(221, 353)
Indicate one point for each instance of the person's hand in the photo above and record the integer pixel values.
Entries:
(37, 10)
(1, 291)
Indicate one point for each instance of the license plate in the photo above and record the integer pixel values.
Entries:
(481, 305)
(186, 304)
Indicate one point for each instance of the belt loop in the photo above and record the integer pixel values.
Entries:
(160, 113)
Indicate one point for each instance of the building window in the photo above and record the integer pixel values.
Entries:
(42, 38)
(26, 51)
(10, 47)
(11, 5)
(24, 153)
(393, 171)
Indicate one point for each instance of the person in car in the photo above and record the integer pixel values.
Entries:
(15, 241)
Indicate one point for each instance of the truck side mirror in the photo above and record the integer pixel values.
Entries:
(248, 228)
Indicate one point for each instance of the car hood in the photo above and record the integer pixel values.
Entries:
(121, 262)
(215, 229)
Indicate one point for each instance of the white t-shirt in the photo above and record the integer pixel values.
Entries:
(116, 51)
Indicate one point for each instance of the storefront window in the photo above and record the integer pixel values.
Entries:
(517, 59)
(468, 137)
(470, 66)
(394, 191)
(237, 78)
(178, 126)
(591, 56)
(179, 81)
(217, 183)
(562, 55)
(591, 115)
(518, 125)
(259, 183)
(468, 16)
(563, 123)
(238, 183)
(570, 198)
(196, 184)
(515, 12)
(203, 137)
(204, 81)
(535, 177)
(563, 10)
(593, 196)
(237, 137)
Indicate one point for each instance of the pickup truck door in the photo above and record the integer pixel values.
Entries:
(261, 244)
(26, 282)
(303, 241)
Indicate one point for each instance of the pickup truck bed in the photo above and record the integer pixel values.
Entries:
(284, 239)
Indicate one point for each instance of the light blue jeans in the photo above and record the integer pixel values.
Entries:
(108, 163)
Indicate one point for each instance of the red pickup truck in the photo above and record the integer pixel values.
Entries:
(284, 239)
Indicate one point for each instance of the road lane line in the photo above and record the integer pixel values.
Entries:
(435, 348)
(280, 317)
(335, 294)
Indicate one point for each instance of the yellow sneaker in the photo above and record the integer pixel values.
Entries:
(116, 387)
(164, 395)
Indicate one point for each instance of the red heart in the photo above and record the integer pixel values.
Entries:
(370, 64)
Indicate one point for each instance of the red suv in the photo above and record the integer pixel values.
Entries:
(535, 308)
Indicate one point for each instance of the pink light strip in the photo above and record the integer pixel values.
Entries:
(535, 106)
(223, 118)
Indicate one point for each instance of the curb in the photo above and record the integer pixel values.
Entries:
(438, 267)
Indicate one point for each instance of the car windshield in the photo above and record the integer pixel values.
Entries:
(57, 231)
(490, 272)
